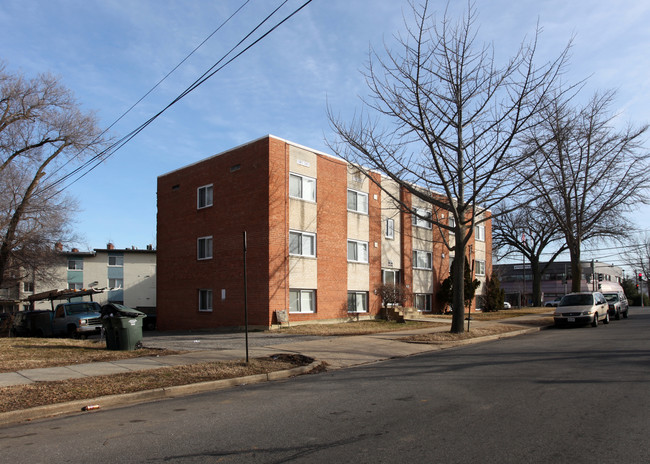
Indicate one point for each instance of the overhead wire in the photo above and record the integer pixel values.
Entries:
(97, 159)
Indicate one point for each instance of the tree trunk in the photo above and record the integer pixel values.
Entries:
(537, 281)
(576, 270)
(458, 283)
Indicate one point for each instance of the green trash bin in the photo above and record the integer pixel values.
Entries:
(124, 327)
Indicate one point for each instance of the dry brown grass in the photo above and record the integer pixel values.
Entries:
(503, 314)
(45, 393)
(356, 328)
(31, 353)
(445, 337)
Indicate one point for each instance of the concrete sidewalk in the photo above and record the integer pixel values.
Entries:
(337, 352)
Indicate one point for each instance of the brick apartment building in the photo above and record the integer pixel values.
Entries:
(320, 239)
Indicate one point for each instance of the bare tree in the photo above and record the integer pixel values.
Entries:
(447, 121)
(529, 231)
(41, 129)
(588, 173)
(637, 256)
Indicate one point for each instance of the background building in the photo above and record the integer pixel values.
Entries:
(556, 279)
(321, 238)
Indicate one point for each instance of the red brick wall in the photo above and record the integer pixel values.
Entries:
(374, 254)
(240, 203)
(406, 237)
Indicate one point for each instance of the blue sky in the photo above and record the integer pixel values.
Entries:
(111, 52)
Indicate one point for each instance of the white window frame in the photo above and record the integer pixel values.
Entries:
(205, 300)
(395, 276)
(356, 258)
(306, 297)
(304, 193)
(418, 221)
(208, 250)
(429, 259)
(115, 282)
(479, 232)
(118, 261)
(356, 195)
(205, 196)
(479, 269)
(364, 300)
(425, 298)
(28, 287)
(302, 236)
(390, 229)
(78, 264)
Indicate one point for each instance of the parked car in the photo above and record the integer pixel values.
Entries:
(32, 324)
(553, 303)
(582, 308)
(618, 304)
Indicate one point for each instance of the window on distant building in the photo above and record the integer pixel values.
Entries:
(479, 231)
(357, 202)
(75, 265)
(302, 301)
(74, 286)
(422, 259)
(421, 218)
(205, 300)
(28, 286)
(204, 196)
(423, 302)
(302, 187)
(390, 228)
(116, 261)
(479, 269)
(357, 251)
(204, 248)
(357, 302)
(302, 244)
(115, 283)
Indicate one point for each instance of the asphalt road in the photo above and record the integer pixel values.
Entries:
(576, 395)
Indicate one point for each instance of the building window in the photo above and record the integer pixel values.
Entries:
(205, 300)
(390, 276)
(357, 302)
(302, 301)
(116, 261)
(357, 201)
(75, 287)
(422, 259)
(115, 283)
(75, 265)
(302, 244)
(28, 286)
(390, 228)
(357, 251)
(479, 270)
(204, 196)
(421, 218)
(423, 302)
(302, 187)
(479, 231)
(204, 248)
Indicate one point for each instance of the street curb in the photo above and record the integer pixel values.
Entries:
(127, 399)
(485, 338)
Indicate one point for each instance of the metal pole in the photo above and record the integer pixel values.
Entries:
(245, 296)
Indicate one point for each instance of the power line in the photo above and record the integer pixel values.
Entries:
(105, 154)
